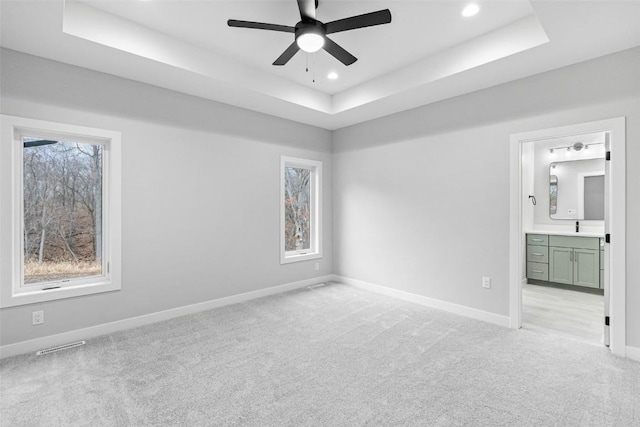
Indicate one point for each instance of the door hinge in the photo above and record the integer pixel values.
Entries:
(607, 238)
(608, 155)
(606, 320)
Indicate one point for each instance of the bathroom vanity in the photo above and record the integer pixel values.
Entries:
(566, 260)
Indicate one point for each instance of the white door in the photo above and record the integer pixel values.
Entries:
(607, 218)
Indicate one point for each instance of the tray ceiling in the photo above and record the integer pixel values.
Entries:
(428, 52)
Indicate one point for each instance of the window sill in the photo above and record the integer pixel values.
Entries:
(287, 259)
(39, 296)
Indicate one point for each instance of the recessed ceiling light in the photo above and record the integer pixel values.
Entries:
(470, 10)
(332, 75)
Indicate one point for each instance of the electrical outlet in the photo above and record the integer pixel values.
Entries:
(486, 282)
(317, 267)
(37, 317)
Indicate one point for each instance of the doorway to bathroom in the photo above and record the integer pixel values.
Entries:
(564, 225)
(567, 203)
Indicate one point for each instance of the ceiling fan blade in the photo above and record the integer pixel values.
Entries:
(287, 54)
(360, 21)
(339, 53)
(307, 8)
(260, 26)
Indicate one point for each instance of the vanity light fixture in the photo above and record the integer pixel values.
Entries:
(577, 146)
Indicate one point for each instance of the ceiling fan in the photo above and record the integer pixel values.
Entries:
(311, 34)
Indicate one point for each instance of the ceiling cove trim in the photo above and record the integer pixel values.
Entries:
(100, 27)
(524, 34)
(191, 69)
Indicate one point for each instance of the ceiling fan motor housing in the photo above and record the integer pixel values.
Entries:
(310, 26)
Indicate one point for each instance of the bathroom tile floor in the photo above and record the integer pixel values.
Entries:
(572, 314)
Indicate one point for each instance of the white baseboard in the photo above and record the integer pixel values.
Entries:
(133, 322)
(461, 310)
(633, 353)
(23, 347)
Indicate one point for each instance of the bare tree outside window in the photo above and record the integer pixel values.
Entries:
(62, 195)
(297, 209)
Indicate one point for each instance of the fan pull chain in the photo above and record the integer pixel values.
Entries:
(313, 63)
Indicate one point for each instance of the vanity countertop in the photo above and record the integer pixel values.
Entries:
(566, 233)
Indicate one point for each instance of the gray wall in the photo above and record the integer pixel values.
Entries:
(421, 198)
(201, 188)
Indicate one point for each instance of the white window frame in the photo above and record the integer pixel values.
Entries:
(315, 182)
(13, 292)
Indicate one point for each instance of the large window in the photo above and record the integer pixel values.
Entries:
(300, 217)
(64, 218)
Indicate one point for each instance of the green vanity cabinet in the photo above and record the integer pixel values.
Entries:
(586, 268)
(568, 260)
(561, 265)
(538, 257)
(537, 239)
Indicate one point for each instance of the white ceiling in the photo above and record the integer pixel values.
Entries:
(428, 52)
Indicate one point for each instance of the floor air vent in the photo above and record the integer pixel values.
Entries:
(60, 347)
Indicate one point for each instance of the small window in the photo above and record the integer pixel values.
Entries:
(66, 216)
(300, 217)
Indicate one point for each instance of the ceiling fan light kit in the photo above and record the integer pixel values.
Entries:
(311, 34)
(310, 38)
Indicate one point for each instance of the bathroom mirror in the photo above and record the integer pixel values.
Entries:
(576, 189)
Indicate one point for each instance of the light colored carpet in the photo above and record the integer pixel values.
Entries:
(327, 356)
